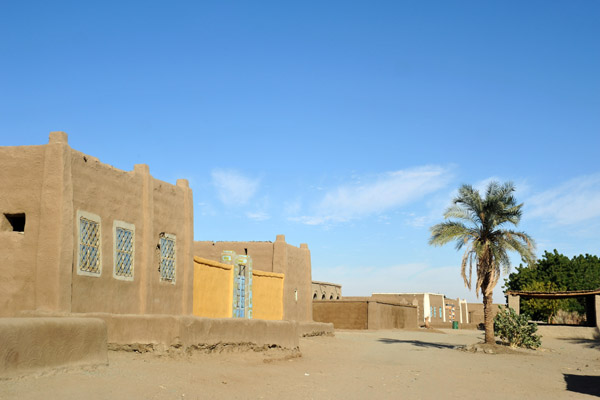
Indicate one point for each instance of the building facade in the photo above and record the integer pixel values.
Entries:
(326, 291)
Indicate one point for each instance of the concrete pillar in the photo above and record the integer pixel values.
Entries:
(514, 302)
(145, 255)
(188, 249)
(54, 260)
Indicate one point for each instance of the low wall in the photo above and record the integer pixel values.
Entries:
(31, 344)
(392, 316)
(365, 314)
(267, 295)
(306, 329)
(213, 289)
(188, 332)
(343, 314)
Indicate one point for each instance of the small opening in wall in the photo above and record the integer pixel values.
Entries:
(16, 222)
(314, 296)
(246, 251)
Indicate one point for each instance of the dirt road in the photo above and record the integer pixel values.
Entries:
(351, 365)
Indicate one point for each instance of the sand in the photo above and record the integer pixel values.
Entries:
(351, 365)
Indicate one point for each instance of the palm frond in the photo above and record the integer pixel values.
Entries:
(446, 232)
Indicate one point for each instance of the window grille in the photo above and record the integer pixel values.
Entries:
(89, 245)
(124, 250)
(167, 257)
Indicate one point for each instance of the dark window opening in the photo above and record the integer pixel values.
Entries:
(331, 297)
(338, 298)
(16, 222)
(314, 296)
(323, 297)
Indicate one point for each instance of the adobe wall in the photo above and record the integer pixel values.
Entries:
(112, 195)
(21, 180)
(159, 332)
(153, 207)
(460, 310)
(280, 257)
(326, 291)
(267, 295)
(213, 289)
(52, 184)
(476, 312)
(415, 299)
(343, 314)
(261, 252)
(429, 305)
(365, 313)
(297, 295)
(32, 344)
(391, 316)
(437, 302)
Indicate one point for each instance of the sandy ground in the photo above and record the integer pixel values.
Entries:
(351, 365)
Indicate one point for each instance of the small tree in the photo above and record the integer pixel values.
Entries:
(515, 329)
(541, 308)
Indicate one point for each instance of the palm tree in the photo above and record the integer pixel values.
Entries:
(480, 228)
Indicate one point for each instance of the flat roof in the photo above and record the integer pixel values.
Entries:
(552, 295)
(326, 283)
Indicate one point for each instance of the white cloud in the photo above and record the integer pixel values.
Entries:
(576, 200)
(258, 216)
(205, 209)
(385, 192)
(233, 188)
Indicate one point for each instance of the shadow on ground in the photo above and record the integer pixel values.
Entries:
(589, 343)
(585, 384)
(418, 343)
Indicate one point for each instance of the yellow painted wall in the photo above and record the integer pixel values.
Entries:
(213, 289)
(267, 295)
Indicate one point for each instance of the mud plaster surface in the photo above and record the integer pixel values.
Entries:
(352, 365)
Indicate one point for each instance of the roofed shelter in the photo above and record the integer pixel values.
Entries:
(592, 301)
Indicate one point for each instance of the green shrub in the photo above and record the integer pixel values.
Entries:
(515, 329)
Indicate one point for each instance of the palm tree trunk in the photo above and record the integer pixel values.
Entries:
(488, 319)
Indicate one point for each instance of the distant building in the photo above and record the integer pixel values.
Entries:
(433, 308)
(326, 291)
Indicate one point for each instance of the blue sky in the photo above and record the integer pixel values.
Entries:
(346, 125)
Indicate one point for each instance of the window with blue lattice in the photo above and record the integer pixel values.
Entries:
(124, 236)
(89, 249)
(167, 247)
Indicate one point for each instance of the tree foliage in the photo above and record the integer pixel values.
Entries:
(561, 273)
(541, 308)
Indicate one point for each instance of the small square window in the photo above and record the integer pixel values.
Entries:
(89, 244)
(124, 256)
(167, 246)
